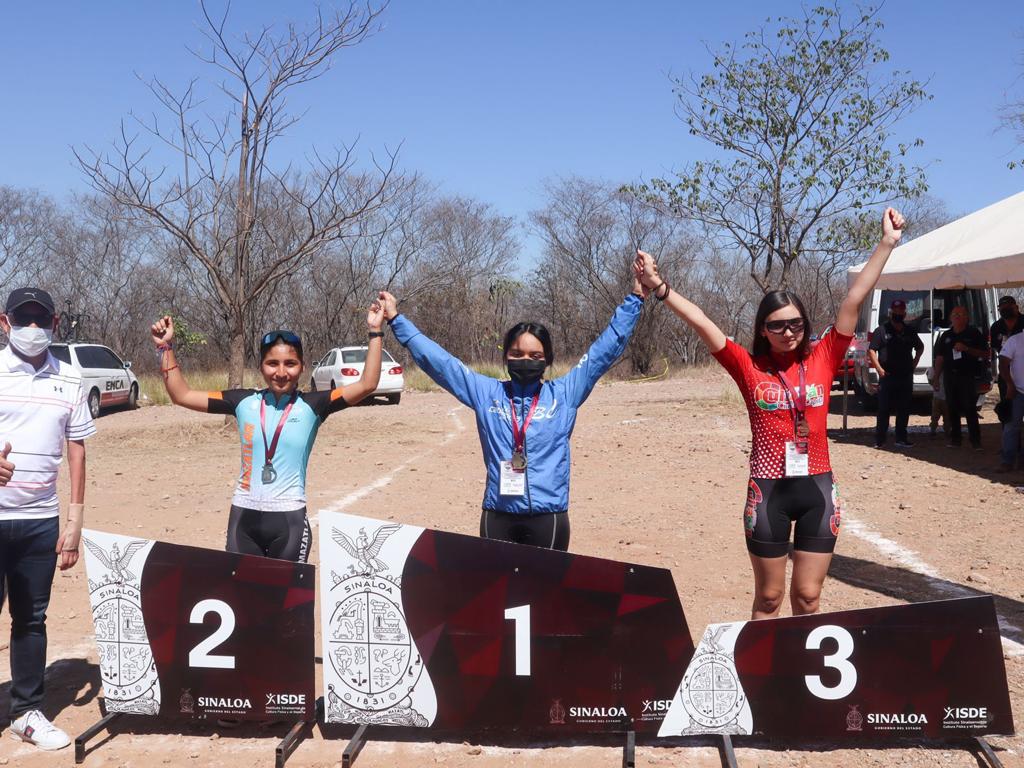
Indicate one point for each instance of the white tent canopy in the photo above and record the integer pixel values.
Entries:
(984, 249)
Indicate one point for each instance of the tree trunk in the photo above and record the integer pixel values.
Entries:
(236, 365)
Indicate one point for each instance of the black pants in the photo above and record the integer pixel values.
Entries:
(546, 529)
(27, 560)
(284, 535)
(895, 395)
(962, 398)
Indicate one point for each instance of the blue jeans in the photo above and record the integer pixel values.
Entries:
(27, 562)
(1011, 431)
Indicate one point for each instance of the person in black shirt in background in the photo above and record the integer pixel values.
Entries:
(894, 353)
(960, 355)
(1009, 324)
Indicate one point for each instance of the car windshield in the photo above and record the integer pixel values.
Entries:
(359, 356)
(61, 352)
(917, 306)
(944, 301)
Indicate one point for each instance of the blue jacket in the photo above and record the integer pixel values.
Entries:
(547, 440)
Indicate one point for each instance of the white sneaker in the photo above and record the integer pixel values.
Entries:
(34, 728)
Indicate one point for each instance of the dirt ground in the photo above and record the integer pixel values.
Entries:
(927, 523)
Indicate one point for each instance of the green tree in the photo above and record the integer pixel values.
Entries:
(802, 114)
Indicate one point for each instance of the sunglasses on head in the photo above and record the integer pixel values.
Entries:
(25, 317)
(288, 337)
(796, 325)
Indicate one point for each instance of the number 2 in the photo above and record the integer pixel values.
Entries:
(521, 616)
(839, 660)
(200, 656)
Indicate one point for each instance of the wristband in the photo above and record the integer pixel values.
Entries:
(376, 334)
(667, 289)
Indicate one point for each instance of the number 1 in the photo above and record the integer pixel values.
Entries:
(521, 616)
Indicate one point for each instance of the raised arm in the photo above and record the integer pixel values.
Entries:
(174, 381)
(864, 283)
(647, 272)
(367, 383)
(439, 364)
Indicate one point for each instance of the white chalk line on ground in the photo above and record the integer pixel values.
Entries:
(385, 480)
(912, 562)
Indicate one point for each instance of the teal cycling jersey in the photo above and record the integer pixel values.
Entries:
(287, 490)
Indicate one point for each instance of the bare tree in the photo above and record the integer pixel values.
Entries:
(25, 220)
(232, 217)
(591, 232)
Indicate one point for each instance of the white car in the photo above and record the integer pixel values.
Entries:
(342, 366)
(107, 379)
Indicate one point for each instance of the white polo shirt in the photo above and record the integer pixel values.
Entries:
(39, 410)
(1013, 350)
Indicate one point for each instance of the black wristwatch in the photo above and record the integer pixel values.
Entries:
(376, 334)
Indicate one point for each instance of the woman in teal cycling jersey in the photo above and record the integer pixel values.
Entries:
(277, 426)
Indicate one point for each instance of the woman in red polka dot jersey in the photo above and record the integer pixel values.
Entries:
(785, 385)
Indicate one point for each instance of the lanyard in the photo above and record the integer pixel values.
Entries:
(270, 450)
(519, 435)
(799, 403)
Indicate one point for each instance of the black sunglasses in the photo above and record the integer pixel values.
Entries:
(796, 325)
(23, 318)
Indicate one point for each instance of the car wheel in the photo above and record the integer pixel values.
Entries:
(94, 403)
(133, 397)
(395, 399)
(312, 385)
(333, 385)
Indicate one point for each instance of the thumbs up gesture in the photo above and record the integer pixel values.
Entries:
(6, 467)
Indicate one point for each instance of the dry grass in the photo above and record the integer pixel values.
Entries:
(152, 391)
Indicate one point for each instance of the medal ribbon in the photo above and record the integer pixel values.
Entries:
(519, 435)
(799, 403)
(269, 451)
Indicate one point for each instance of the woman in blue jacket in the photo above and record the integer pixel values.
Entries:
(524, 422)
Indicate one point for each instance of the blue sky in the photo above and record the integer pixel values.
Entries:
(489, 99)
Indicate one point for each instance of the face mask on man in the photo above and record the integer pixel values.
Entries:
(526, 370)
(1007, 312)
(899, 318)
(29, 340)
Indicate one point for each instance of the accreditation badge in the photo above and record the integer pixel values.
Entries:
(513, 481)
(796, 458)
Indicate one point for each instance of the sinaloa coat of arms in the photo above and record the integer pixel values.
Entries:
(114, 567)
(710, 698)
(373, 672)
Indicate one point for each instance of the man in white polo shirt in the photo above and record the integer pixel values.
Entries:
(42, 405)
(1011, 372)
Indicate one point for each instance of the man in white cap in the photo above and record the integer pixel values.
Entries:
(42, 407)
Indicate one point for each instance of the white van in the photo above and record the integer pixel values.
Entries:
(928, 311)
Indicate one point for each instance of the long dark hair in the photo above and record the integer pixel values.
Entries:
(534, 329)
(772, 301)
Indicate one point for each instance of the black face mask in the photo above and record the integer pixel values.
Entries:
(525, 370)
(898, 318)
(1007, 312)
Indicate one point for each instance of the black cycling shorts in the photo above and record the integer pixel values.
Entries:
(284, 535)
(546, 529)
(773, 505)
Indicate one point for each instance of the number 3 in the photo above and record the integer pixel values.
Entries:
(839, 660)
(200, 656)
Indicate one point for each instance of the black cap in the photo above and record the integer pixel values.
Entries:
(1006, 300)
(21, 296)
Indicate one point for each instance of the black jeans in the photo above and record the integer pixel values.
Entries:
(895, 393)
(27, 562)
(962, 398)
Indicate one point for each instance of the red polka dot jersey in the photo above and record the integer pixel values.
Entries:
(770, 406)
